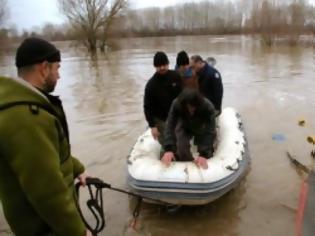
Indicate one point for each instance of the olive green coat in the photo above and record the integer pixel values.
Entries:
(37, 170)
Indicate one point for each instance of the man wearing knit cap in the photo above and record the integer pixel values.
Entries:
(37, 170)
(189, 77)
(182, 61)
(160, 91)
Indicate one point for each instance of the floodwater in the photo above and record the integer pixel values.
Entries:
(272, 88)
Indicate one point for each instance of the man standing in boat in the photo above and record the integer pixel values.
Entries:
(37, 170)
(160, 91)
(191, 116)
(183, 67)
(210, 82)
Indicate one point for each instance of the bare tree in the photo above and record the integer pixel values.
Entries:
(297, 21)
(114, 10)
(3, 11)
(48, 31)
(168, 18)
(92, 18)
(151, 18)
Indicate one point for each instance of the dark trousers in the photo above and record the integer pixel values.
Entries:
(183, 138)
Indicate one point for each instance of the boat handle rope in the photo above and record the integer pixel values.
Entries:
(96, 206)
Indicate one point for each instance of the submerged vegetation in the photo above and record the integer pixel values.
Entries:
(91, 20)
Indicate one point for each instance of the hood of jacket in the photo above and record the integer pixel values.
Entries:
(14, 91)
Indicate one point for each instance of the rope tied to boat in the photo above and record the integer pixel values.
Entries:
(96, 206)
(136, 213)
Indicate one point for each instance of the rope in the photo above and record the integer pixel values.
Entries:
(136, 214)
(95, 203)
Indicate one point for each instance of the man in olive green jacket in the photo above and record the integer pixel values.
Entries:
(37, 170)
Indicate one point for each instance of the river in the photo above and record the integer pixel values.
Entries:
(272, 88)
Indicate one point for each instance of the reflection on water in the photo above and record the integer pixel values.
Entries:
(271, 88)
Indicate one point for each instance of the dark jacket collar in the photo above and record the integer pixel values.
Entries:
(55, 100)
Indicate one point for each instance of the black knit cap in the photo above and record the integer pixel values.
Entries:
(182, 59)
(35, 50)
(160, 59)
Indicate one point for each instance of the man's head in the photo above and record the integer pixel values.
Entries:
(161, 62)
(38, 62)
(191, 100)
(197, 63)
(182, 62)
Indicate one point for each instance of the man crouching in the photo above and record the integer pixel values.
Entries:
(191, 116)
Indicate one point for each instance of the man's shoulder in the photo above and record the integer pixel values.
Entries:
(208, 105)
(174, 74)
(176, 104)
(213, 72)
(151, 81)
(25, 117)
(176, 101)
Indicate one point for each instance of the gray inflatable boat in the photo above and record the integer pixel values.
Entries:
(183, 183)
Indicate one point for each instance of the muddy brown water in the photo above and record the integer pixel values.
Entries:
(271, 88)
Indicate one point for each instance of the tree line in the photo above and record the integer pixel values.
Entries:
(94, 22)
(270, 18)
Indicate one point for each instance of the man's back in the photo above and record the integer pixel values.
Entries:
(210, 85)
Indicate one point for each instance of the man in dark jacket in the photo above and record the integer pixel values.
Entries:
(191, 116)
(160, 91)
(210, 82)
(37, 170)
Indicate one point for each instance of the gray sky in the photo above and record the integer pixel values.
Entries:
(30, 13)
(26, 14)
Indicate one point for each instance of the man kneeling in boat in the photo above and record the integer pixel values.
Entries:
(191, 116)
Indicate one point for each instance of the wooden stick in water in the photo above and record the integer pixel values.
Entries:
(298, 164)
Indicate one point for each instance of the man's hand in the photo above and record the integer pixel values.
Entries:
(155, 133)
(88, 233)
(201, 162)
(82, 178)
(167, 158)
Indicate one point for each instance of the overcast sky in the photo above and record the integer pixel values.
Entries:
(26, 14)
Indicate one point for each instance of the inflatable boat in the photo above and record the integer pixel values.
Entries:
(184, 183)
